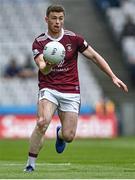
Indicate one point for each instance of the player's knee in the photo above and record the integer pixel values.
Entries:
(42, 124)
(68, 136)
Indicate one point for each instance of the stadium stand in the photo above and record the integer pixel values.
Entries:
(20, 23)
(115, 19)
(122, 22)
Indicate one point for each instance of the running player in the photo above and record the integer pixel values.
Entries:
(59, 90)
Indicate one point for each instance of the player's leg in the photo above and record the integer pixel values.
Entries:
(46, 110)
(68, 109)
(66, 132)
(69, 124)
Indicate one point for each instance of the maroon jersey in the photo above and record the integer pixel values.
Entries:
(64, 76)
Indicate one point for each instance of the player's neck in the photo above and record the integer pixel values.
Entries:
(54, 35)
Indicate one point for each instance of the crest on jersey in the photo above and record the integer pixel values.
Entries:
(69, 47)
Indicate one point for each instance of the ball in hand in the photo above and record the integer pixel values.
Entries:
(54, 52)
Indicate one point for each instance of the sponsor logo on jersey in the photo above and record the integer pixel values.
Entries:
(60, 69)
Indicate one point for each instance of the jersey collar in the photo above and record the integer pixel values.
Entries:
(55, 39)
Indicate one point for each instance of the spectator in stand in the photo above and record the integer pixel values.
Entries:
(104, 4)
(13, 69)
(129, 31)
(105, 107)
(28, 70)
(129, 27)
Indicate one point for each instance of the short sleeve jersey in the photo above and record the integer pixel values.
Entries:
(63, 77)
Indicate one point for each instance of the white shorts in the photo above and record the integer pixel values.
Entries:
(64, 101)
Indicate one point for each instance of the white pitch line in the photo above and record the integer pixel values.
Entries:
(38, 164)
(53, 164)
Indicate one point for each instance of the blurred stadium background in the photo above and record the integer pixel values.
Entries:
(106, 111)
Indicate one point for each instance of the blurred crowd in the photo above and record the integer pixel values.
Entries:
(105, 107)
(13, 69)
(120, 16)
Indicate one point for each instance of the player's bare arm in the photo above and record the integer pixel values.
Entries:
(91, 54)
(42, 64)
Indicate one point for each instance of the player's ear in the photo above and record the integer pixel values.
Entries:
(46, 19)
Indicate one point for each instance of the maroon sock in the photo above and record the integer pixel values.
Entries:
(33, 155)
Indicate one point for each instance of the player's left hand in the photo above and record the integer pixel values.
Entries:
(119, 84)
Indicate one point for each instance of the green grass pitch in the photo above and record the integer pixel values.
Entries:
(82, 159)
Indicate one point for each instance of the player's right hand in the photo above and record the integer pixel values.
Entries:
(42, 65)
(45, 67)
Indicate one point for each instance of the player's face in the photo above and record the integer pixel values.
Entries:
(55, 22)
